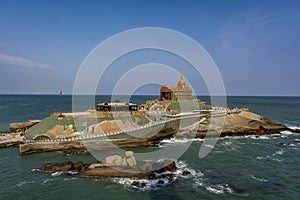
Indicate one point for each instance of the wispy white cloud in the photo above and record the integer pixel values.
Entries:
(20, 61)
(240, 31)
(248, 21)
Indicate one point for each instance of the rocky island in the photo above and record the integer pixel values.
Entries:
(176, 114)
(112, 125)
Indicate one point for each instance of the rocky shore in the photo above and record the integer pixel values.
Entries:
(10, 139)
(16, 135)
(239, 124)
(38, 147)
(15, 127)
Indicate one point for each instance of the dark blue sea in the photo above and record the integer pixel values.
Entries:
(236, 168)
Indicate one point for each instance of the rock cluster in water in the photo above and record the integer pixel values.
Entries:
(118, 167)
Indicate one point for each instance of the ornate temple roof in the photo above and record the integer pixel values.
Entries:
(180, 86)
(181, 83)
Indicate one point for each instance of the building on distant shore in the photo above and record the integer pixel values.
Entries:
(181, 92)
(116, 106)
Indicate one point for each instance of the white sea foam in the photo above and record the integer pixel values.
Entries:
(160, 181)
(268, 158)
(197, 139)
(226, 143)
(128, 183)
(48, 180)
(261, 137)
(167, 142)
(280, 152)
(24, 182)
(72, 173)
(258, 179)
(276, 135)
(282, 134)
(182, 166)
(294, 127)
(219, 189)
(286, 133)
(229, 146)
(56, 173)
(176, 140)
(143, 184)
(198, 183)
(68, 179)
(196, 176)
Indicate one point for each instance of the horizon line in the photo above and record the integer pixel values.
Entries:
(106, 94)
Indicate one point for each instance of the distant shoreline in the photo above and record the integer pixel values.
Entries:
(200, 95)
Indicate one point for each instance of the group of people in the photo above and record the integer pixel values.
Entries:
(22, 131)
(236, 109)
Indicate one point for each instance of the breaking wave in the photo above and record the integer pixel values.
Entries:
(198, 181)
(56, 173)
(258, 179)
(161, 180)
(272, 157)
(219, 189)
(48, 180)
(20, 184)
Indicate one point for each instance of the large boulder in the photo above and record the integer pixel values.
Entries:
(69, 131)
(146, 166)
(169, 166)
(97, 165)
(59, 167)
(129, 153)
(124, 163)
(159, 167)
(131, 162)
(115, 160)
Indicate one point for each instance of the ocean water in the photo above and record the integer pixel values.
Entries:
(236, 168)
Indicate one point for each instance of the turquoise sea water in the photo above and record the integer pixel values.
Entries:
(237, 168)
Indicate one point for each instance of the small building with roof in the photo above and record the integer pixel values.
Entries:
(116, 106)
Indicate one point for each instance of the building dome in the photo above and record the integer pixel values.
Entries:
(181, 83)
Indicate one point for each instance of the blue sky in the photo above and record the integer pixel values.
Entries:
(255, 44)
